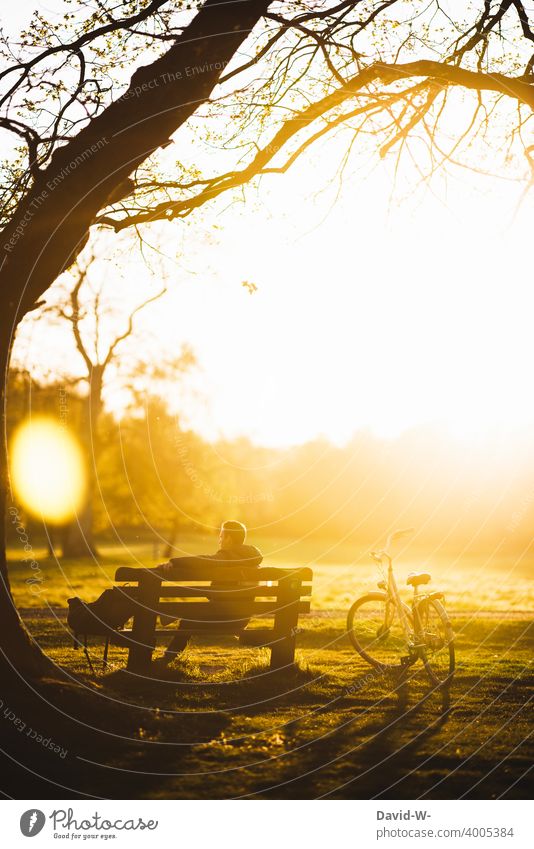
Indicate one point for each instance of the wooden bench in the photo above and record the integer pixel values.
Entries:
(268, 592)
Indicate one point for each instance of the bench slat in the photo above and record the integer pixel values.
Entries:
(212, 572)
(205, 591)
(204, 611)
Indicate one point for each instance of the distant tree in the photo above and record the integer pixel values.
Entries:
(154, 476)
(145, 456)
(82, 305)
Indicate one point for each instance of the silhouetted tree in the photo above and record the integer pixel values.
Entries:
(80, 162)
(77, 537)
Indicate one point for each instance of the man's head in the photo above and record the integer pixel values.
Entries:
(232, 534)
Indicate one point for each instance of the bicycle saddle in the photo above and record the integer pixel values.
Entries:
(416, 578)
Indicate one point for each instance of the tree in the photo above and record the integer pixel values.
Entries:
(77, 538)
(154, 476)
(54, 198)
(381, 72)
(144, 483)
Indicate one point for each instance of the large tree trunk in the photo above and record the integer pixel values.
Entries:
(52, 221)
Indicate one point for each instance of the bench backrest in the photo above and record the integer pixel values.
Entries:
(265, 591)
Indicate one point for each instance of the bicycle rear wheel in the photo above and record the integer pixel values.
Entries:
(376, 632)
(438, 641)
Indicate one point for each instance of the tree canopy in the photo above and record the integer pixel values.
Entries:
(381, 70)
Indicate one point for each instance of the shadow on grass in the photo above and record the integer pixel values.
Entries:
(219, 724)
(366, 750)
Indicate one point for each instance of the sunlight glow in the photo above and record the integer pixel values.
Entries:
(366, 315)
(47, 470)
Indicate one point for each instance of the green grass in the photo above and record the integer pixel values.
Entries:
(219, 724)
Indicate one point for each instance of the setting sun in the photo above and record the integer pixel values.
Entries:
(47, 470)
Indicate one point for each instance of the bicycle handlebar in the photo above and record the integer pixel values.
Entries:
(384, 552)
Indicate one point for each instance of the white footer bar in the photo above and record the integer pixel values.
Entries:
(262, 824)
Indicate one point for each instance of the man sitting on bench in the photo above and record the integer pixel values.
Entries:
(232, 553)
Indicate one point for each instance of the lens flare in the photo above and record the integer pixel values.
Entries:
(48, 470)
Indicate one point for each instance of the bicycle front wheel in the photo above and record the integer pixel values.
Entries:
(438, 641)
(376, 632)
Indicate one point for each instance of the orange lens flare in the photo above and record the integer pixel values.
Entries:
(48, 470)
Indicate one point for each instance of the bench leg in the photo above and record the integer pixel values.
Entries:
(140, 656)
(144, 624)
(285, 624)
(283, 652)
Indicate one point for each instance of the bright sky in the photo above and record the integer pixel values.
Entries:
(367, 315)
(361, 319)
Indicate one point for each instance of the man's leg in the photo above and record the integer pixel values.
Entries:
(176, 646)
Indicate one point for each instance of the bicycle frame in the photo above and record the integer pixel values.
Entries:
(417, 598)
(393, 591)
(425, 630)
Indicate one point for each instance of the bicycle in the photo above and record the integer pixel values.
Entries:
(391, 636)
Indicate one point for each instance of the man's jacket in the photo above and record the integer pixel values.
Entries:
(234, 558)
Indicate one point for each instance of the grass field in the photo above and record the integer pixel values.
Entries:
(218, 724)
(341, 573)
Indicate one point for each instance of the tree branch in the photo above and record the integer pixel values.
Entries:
(437, 75)
(129, 329)
(65, 199)
(74, 317)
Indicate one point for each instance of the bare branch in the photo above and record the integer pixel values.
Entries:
(129, 329)
(74, 316)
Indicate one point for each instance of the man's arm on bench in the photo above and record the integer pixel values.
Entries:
(171, 570)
